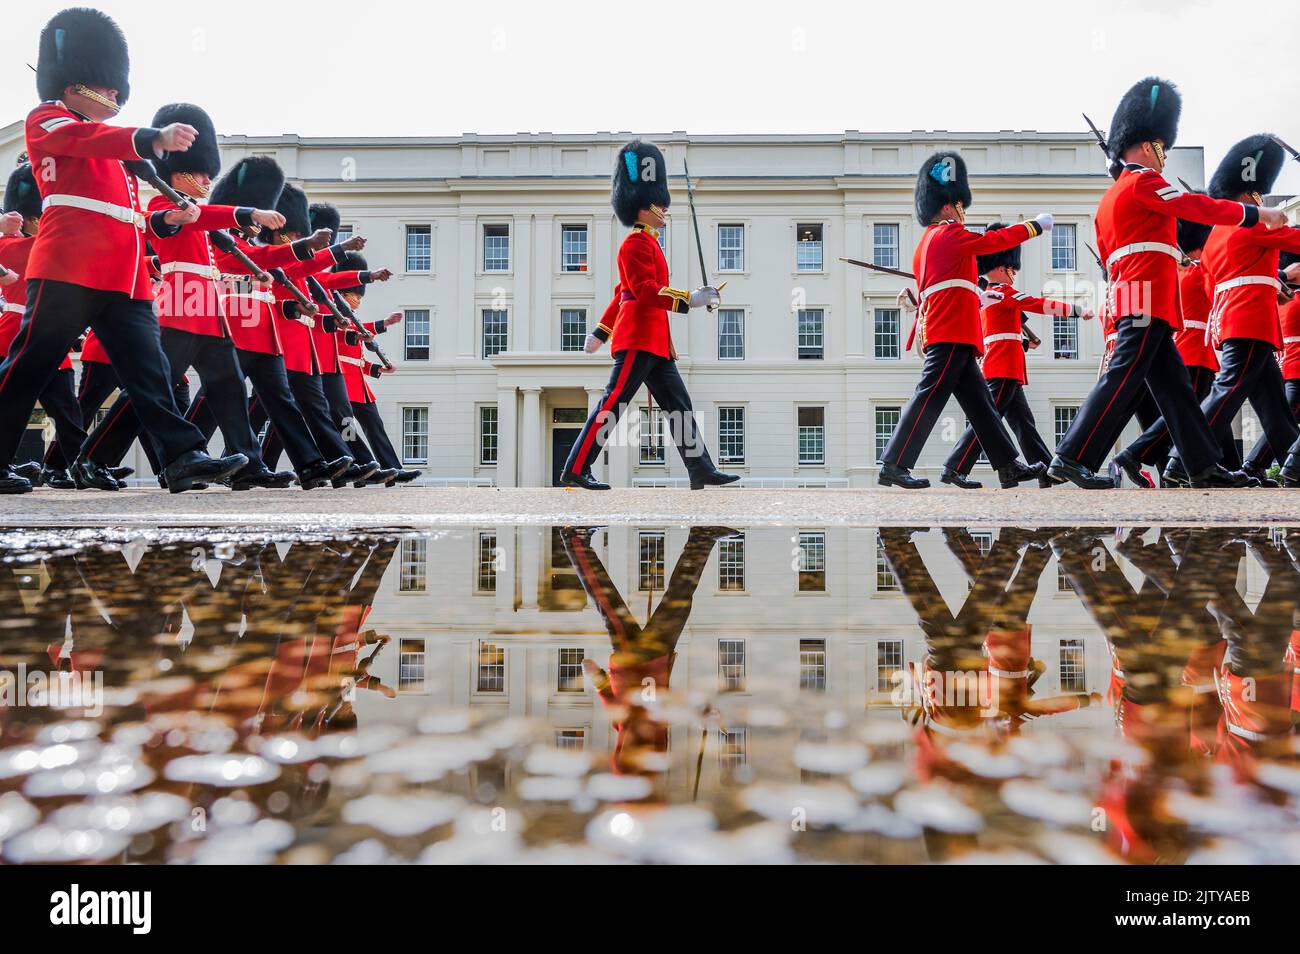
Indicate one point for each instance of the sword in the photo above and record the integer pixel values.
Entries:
(1291, 152)
(1097, 259)
(695, 222)
(1101, 142)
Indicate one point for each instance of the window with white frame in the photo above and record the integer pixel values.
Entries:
(889, 660)
(731, 564)
(487, 433)
(812, 334)
(1065, 337)
(983, 540)
(410, 665)
(419, 248)
(491, 667)
(812, 665)
(731, 665)
(885, 580)
(888, 328)
(886, 421)
(731, 334)
(496, 248)
(573, 329)
(343, 233)
(808, 248)
(1062, 417)
(414, 565)
(731, 248)
(1074, 677)
(733, 749)
(496, 331)
(650, 560)
(570, 670)
(812, 435)
(653, 444)
(415, 322)
(1063, 584)
(1063, 256)
(571, 739)
(415, 435)
(812, 561)
(485, 576)
(573, 248)
(884, 244)
(731, 435)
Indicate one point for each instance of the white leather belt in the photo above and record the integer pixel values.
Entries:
(119, 213)
(1294, 339)
(1247, 280)
(1196, 325)
(348, 359)
(263, 296)
(1006, 674)
(192, 268)
(1007, 336)
(1244, 733)
(1112, 337)
(950, 283)
(1125, 250)
(10, 306)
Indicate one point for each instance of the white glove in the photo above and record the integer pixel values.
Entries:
(309, 322)
(592, 344)
(988, 297)
(1044, 220)
(905, 301)
(1087, 314)
(706, 297)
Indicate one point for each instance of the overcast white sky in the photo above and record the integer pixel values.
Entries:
(383, 67)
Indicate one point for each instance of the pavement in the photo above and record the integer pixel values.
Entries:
(418, 507)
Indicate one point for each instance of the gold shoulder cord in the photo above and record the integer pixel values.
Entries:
(90, 94)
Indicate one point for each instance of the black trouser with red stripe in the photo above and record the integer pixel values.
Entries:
(309, 393)
(1009, 398)
(367, 415)
(98, 381)
(214, 359)
(57, 314)
(1144, 356)
(1262, 455)
(1249, 372)
(659, 374)
(271, 392)
(950, 370)
(59, 401)
(340, 412)
(1155, 442)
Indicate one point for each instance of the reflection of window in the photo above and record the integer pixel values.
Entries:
(812, 435)
(983, 541)
(885, 581)
(487, 434)
(808, 248)
(888, 333)
(1063, 584)
(884, 245)
(415, 435)
(573, 328)
(496, 331)
(486, 577)
(1073, 677)
(410, 665)
(731, 564)
(415, 560)
(419, 248)
(812, 664)
(1065, 338)
(733, 749)
(570, 679)
(886, 421)
(575, 739)
(812, 334)
(731, 248)
(1063, 247)
(573, 248)
(812, 561)
(889, 660)
(650, 563)
(653, 445)
(731, 435)
(1063, 416)
(491, 667)
(731, 334)
(416, 323)
(496, 248)
(731, 665)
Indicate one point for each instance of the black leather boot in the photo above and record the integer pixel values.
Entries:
(406, 476)
(383, 476)
(56, 479)
(583, 480)
(1291, 471)
(1260, 475)
(1071, 470)
(88, 475)
(30, 471)
(11, 483)
(958, 479)
(259, 475)
(1131, 468)
(1219, 478)
(320, 473)
(356, 472)
(194, 467)
(712, 478)
(121, 473)
(894, 476)
(1018, 472)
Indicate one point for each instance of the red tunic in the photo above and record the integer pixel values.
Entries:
(15, 251)
(636, 318)
(95, 249)
(1137, 225)
(1194, 292)
(1004, 354)
(248, 304)
(1242, 265)
(1290, 314)
(186, 299)
(945, 269)
(299, 346)
(356, 368)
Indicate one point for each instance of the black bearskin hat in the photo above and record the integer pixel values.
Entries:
(21, 194)
(1252, 165)
(323, 215)
(254, 182)
(352, 262)
(640, 181)
(942, 179)
(1008, 256)
(1148, 111)
(293, 206)
(203, 156)
(80, 45)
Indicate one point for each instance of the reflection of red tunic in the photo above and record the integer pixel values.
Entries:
(626, 684)
(1293, 660)
(1256, 710)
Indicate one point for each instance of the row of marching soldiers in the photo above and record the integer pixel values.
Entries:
(251, 285)
(1191, 314)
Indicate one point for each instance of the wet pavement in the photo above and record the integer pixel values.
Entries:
(654, 693)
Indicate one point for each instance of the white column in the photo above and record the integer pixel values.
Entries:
(507, 438)
(465, 265)
(530, 439)
(530, 564)
(521, 253)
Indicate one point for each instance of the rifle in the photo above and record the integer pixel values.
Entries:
(225, 243)
(367, 337)
(1291, 152)
(1097, 259)
(278, 275)
(145, 170)
(1101, 141)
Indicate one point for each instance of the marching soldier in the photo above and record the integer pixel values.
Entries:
(1136, 234)
(87, 263)
(948, 326)
(635, 324)
(1004, 363)
(1262, 455)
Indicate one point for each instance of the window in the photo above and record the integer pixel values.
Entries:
(343, 233)
(572, 739)
(650, 561)
(1063, 417)
(573, 329)
(485, 579)
(889, 660)
(491, 667)
(731, 334)
(884, 245)
(415, 435)
(487, 434)
(812, 435)
(1073, 676)
(414, 566)
(1063, 584)
(1063, 258)
(731, 665)
(886, 582)
(731, 564)
(888, 333)
(653, 445)
(983, 540)
(812, 561)
(573, 248)
(731, 435)
(496, 248)
(811, 334)
(496, 331)
(415, 321)
(663, 240)
(570, 671)
(812, 665)
(731, 248)
(1065, 338)
(733, 749)
(410, 665)
(808, 248)
(419, 248)
(886, 421)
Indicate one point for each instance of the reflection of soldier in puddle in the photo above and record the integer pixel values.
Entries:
(641, 662)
